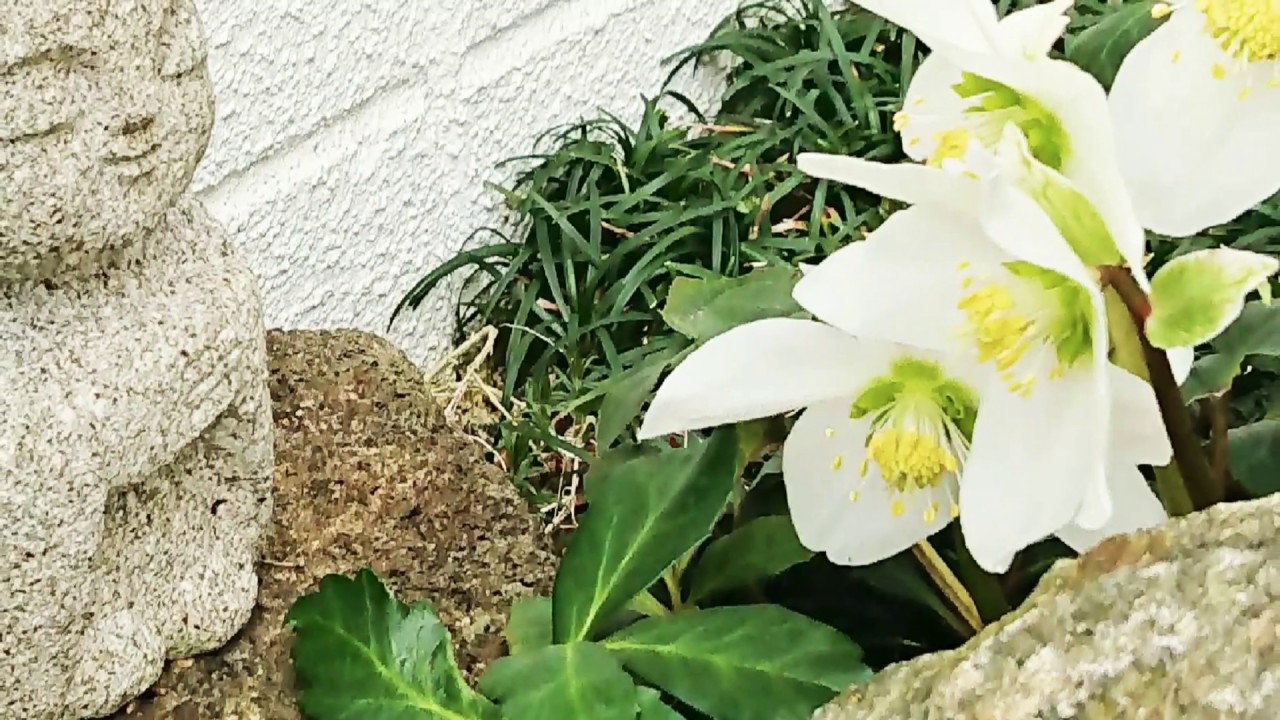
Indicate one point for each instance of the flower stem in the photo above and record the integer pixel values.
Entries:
(948, 583)
(1188, 454)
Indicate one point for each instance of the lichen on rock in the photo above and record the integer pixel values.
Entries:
(1182, 621)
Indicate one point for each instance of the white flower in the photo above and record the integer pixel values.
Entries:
(871, 466)
(986, 82)
(977, 269)
(1196, 107)
(884, 449)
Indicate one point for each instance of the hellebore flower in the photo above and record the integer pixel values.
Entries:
(882, 454)
(871, 466)
(1196, 109)
(978, 270)
(987, 81)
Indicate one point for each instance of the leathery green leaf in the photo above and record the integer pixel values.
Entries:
(646, 515)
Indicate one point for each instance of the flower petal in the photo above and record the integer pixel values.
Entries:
(1080, 106)
(929, 98)
(904, 182)
(901, 284)
(760, 369)
(1032, 31)
(1194, 152)
(1138, 435)
(967, 23)
(1030, 464)
(821, 492)
(1136, 508)
(1194, 297)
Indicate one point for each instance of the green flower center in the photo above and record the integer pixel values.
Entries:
(921, 423)
(1009, 320)
(997, 104)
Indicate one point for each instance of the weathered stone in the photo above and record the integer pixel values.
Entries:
(1182, 621)
(135, 440)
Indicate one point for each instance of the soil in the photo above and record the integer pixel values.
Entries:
(367, 474)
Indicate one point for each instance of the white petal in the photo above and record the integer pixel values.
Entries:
(930, 106)
(902, 283)
(967, 23)
(1080, 105)
(1032, 459)
(1017, 224)
(761, 369)
(820, 491)
(905, 182)
(1136, 508)
(1138, 435)
(1032, 31)
(1193, 153)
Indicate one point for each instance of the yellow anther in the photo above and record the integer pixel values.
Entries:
(1161, 10)
(1175, 57)
(952, 145)
(864, 467)
(931, 513)
(955, 511)
(1244, 93)
(918, 102)
(898, 508)
(853, 496)
(1219, 72)
(1001, 333)
(837, 462)
(900, 120)
(963, 265)
(829, 432)
(909, 460)
(1248, 30)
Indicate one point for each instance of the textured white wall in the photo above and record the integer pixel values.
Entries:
(354, 137)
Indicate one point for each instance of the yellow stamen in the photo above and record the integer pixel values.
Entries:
(1161, 10)
(1219, 72)
(1001, 333)
(955, 511)
(1248, 30)
(931, 513)
(900, 120)
(952, 145)
(898, 508)
(829, 432)
(853, 496)
(909, 460)
(838, 462)
(1177, 55)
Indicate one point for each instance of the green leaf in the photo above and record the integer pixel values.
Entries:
(703, 308)
(1255, 332)
(604, 467)
(1101, 49)
(1194, 297)
(758, 550)
(1254, 455)
(625, 394)
(360, 654)
(652, 707)
(751, 662)
(577, 680)
(529, 627)
(645, 516)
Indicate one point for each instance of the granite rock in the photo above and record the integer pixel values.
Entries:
(1182, 621)
(135, 426)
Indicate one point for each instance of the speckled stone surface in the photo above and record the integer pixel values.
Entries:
(1180, 622)
(135, 426)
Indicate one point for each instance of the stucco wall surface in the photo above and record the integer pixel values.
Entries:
(353, 138)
